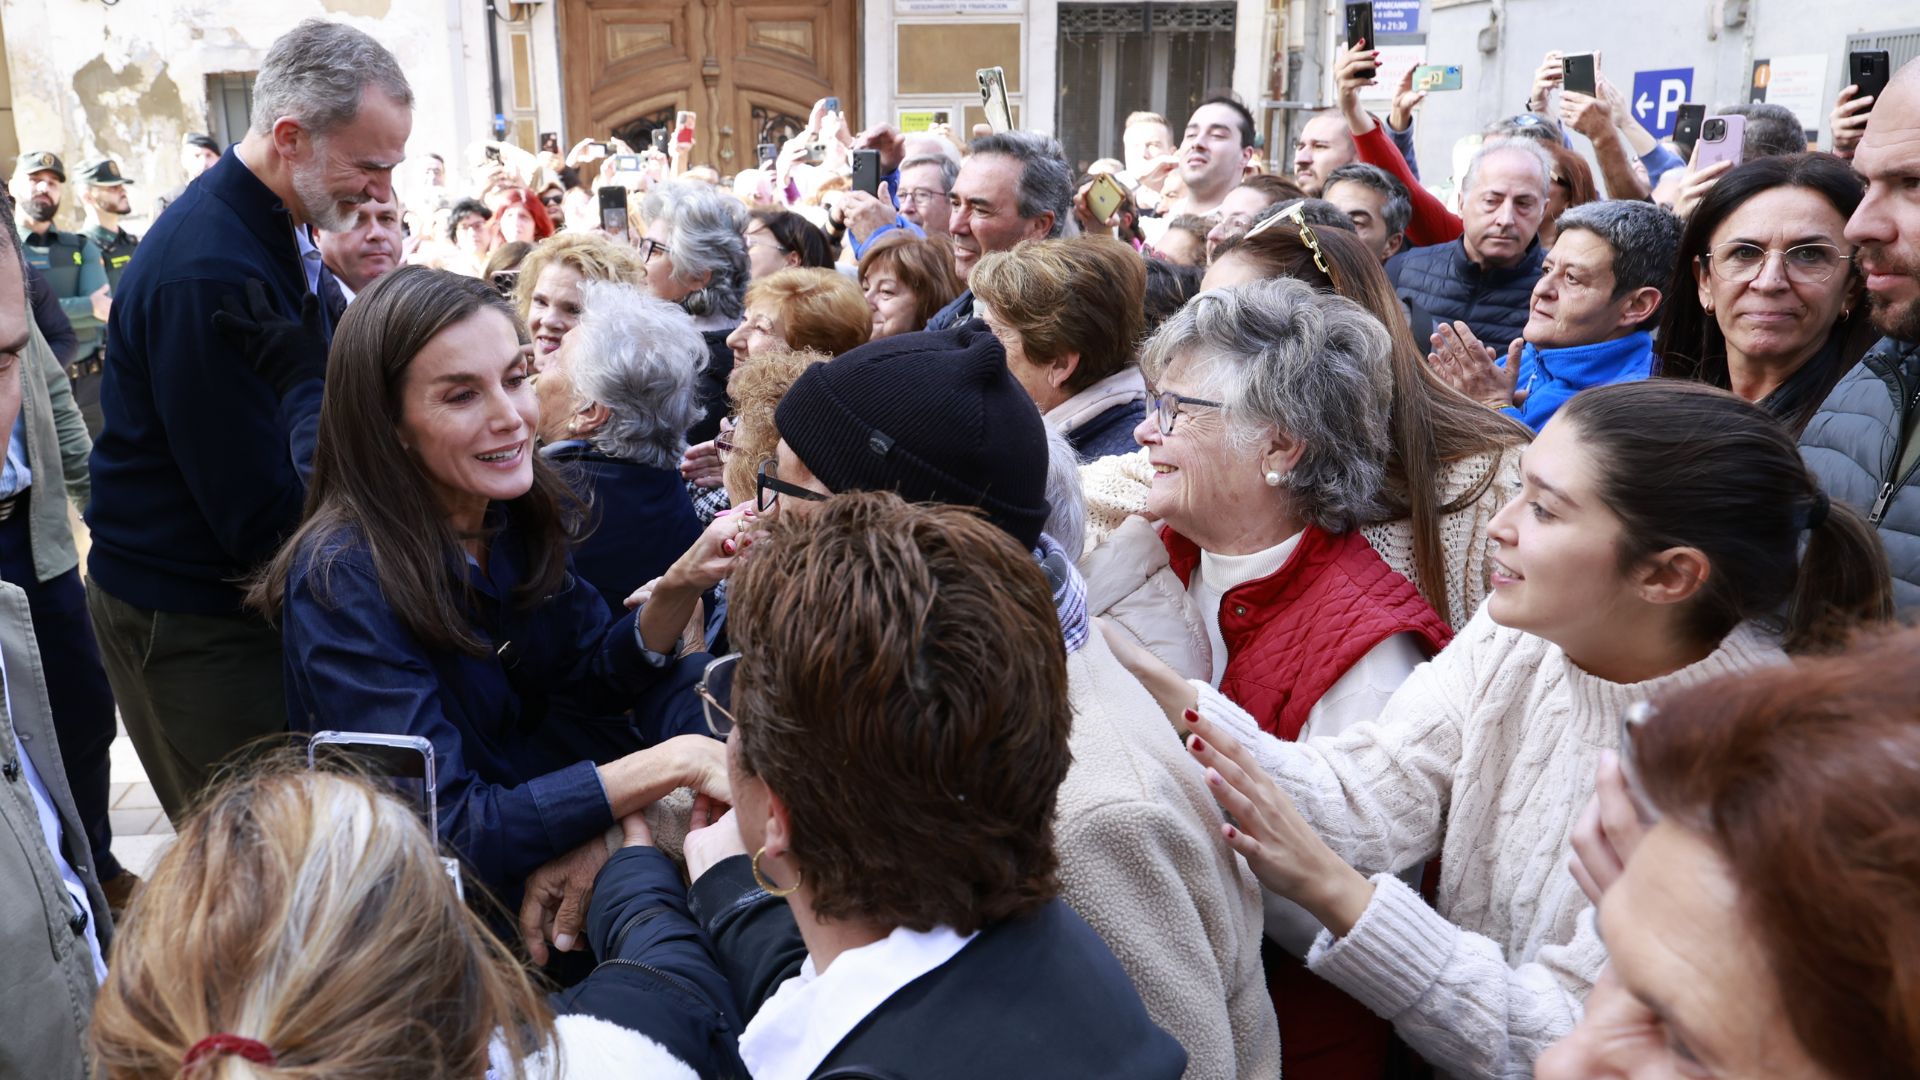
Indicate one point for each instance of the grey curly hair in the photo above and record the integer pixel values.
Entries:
(706, 232)
(640, 357)
(1285, 357)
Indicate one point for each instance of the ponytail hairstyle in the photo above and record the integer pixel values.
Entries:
(1686, 465)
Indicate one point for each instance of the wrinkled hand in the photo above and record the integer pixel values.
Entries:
(1587, 115)
(1358, 67)
(701, 465)
(1849, 120)
(1405, 100)
(1463, 363)
(703, 767)
(708, 845)
(1608, 831)
(714, 555)
(578, 155)
(884, 138)
(1547, 78)
(283, 352)
(1695, 185)
(866, 214)
(1283, 851)
(555, 906)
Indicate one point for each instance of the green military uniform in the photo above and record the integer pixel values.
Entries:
(116, 245)
(71, 263)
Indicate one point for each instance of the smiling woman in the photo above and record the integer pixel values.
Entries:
(430, 592)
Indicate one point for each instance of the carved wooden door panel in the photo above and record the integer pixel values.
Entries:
(751, 69)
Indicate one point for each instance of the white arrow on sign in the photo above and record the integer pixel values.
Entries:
(1641, 105)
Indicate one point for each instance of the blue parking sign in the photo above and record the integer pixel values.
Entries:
(1396, 16)
(1657, 97)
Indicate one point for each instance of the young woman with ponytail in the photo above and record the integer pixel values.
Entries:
(1666, 533)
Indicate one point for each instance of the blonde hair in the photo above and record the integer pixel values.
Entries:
(596, 258)
(756, 388)
(309, 912)
(821, 309)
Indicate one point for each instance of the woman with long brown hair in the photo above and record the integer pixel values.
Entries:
(430, 591)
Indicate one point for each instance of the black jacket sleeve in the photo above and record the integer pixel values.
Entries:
(656, 974)
(753, 932)
(53, 322)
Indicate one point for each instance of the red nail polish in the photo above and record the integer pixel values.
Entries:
(1231, 832)
(1198, 746)
(1191, 717)
(727, 546)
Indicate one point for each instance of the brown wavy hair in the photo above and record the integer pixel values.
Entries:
(864, 630)
(309, 912)
(1085, 294)
(924, 264)
(755, 388)
(367, 488)
(1805, 778)
(1430, 424)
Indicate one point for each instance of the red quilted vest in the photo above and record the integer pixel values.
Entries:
(1292, 634)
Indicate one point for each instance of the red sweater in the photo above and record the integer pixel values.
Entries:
(1432, 222)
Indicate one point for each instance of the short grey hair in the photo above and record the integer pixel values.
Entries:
(1397, 211)
(706, 233)
(641, 358)
(1067, 504)
(1645, 240)
(318, 72)
(1526, 148)
(1283, 356)
(1773, 130)
(1046, 181)
(949, 168)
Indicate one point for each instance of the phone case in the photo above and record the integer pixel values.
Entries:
(1105, 197)
(1869, 70)
(1686, 126)
(1436, 77)
(993, 98)
(1578, 74)
(866, 171)
(1360, 29)
(1727, 148)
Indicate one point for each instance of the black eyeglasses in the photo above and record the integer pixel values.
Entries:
(716, 693)
(650, 248)
(1166, 407)
(767, 489)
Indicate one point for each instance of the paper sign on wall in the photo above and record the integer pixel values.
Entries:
(1798, 82)
(1395, 61)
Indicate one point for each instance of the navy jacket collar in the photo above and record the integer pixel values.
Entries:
(254, 202)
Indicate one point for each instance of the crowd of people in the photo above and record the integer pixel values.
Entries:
(1310, 624)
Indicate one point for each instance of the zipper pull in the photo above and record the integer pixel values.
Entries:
(1880, 504)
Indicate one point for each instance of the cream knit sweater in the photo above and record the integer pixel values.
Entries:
(1485, 757)
(1116, 487)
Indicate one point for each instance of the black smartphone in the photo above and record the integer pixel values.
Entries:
(866, 171)
(1581, 74)
(613, 210)
(505, 280)
(549, 142)
(1869, 70)
(660, 139)
(1360, 30)
(769, 153)
(1686, 127)
(492, 153)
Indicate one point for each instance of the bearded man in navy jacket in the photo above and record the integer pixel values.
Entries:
(211, 397)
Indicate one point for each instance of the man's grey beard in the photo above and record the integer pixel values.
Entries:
(317, 204)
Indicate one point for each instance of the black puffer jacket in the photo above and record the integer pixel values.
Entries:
(1442, 279)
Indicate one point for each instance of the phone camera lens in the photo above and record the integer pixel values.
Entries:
(1714, 129)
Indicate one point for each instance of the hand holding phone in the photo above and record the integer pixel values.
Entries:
(1869, 71)
(613, 211)
(1360, 32)
(866, 171)
(1722, 138)
(1105, 198)
(1581, 74)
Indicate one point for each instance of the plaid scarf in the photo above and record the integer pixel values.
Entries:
(1069, 592)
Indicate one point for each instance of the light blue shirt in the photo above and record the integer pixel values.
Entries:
(50, 830)
(15, 475)
(309, 259)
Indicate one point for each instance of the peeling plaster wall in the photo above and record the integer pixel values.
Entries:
(130, 80)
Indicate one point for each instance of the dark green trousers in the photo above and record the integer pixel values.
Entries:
(193, 690)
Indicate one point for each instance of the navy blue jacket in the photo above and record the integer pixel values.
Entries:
(656, 974)
(640, 518)
(957, 313)
(1493, 303)
(1109, 433)
(193, 477)
(513, 794)
(1034, 996)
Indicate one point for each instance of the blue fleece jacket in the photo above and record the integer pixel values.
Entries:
(1551, 376)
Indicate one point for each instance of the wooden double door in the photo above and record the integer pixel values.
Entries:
(750, 69)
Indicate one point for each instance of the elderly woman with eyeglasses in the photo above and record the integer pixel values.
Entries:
(1765, 299)
(615, 403)
(695, 254)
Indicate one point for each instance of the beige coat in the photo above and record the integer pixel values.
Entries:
(1142, 860)
(1131, 582)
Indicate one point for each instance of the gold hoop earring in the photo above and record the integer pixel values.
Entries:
(760, 879)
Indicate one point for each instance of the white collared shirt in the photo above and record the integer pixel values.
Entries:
(813, 1012)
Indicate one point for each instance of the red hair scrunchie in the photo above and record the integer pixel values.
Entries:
(213, 1045)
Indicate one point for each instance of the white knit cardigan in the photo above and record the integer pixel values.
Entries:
(1116, 487)
(1485, 756)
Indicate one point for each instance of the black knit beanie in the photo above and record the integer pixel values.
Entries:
(935, 417)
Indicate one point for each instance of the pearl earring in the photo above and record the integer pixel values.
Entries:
(1274, 478)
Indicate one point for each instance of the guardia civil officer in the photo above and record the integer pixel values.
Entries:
(71, 264)
(103, 192)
